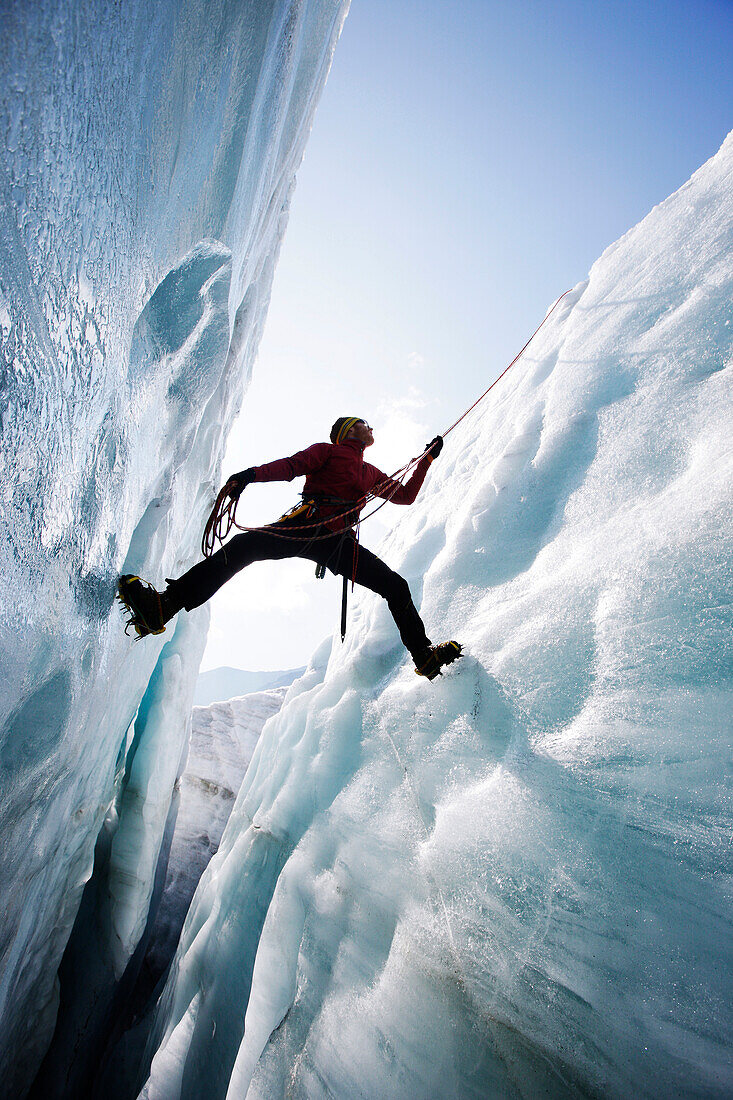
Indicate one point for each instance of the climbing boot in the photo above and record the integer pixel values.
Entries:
(430, 662)
(143, 604)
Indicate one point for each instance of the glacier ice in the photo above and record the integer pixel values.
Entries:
(515, 881)
(149, 153)
(223, 739)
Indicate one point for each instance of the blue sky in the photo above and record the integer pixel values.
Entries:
(468, 163)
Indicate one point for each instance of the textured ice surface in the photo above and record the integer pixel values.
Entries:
(514, 881)
(223, 738)
(148, 154)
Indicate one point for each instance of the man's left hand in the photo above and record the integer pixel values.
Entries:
(435, 446)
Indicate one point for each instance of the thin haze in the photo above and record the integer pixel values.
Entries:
(468, 163)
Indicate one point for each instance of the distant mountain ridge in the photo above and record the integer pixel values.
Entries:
(223, 683)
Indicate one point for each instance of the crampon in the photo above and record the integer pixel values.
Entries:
(141, 602)
(435, 657)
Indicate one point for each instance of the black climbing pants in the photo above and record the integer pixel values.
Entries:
(336, 552)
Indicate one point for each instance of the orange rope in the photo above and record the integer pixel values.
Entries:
(223, 515)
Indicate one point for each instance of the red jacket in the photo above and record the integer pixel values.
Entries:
(339, 470)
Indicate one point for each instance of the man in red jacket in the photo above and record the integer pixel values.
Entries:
(337, 479)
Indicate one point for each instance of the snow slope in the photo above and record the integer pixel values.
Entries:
(148, 155)
(514, 881)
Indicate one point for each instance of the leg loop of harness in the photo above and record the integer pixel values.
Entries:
(307, 510)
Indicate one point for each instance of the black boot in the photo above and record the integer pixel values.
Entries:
(431, 660)
(148, 615)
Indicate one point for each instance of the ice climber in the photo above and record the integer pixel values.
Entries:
(336, 479)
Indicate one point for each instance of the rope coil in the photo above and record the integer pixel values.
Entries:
(223, 515)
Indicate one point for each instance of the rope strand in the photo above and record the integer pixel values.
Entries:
(224, 513)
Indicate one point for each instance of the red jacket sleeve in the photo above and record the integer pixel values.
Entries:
(391, 490)
(303, 462)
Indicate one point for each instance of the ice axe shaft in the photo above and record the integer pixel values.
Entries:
(344, 601)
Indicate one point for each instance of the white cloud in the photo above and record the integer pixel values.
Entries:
(267, 586)
(400, 429)
(271, 615)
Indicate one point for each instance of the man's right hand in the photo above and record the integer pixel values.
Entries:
(237, 483)
(233, 488)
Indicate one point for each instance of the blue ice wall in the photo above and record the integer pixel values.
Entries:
(149, 150)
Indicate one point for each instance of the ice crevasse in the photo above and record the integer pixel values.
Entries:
(515, 881)
(512, 882)
(148, 156)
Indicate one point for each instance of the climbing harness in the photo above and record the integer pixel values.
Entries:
(316, 499)
(223, 515)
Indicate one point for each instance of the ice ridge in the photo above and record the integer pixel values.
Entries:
(514, 881)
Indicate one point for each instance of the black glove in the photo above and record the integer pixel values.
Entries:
(237, 483)
(435, 446)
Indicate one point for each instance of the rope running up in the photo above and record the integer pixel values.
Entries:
(224, 513)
